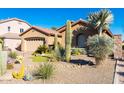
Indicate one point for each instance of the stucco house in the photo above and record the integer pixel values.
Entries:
(10, 30)
(36, 36)
(80, 34)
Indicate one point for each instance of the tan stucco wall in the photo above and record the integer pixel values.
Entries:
(74, 34)
(34, 33)
(63, 34)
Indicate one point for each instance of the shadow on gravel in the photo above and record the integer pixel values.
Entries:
(82, 62)
(120, 73)
(121, 65)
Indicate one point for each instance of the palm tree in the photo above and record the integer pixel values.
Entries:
(101, 20)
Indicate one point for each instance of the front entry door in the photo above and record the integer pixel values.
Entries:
(81, 41)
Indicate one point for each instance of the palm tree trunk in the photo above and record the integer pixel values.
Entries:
(100, 31)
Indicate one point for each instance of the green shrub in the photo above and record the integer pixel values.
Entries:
(10, 66)
(41, 49)
(44, 71)
(75, 51)
(12, 54)
(82, 51)
(78, 51)
(100, 46)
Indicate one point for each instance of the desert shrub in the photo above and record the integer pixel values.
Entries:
(75, 51)
(12, 54)
(10, 66)
(100, 46)
(78, 51)
(82, 51)
(44, 71)
(41, 49)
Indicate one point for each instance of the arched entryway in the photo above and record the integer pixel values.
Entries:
(81, 40)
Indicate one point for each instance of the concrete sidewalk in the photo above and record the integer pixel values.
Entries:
(119, 74)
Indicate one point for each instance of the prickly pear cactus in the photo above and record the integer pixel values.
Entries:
(3, 62)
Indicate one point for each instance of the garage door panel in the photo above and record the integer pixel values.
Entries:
(33, 44)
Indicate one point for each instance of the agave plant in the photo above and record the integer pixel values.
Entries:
(101, 20)
(100, 47)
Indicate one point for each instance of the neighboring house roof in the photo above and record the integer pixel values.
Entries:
(42, 30)
(80, 21)
(10, 36)
(11, 19)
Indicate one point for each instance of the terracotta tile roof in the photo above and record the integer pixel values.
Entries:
(42, 30)
(10, 36)
(61, 29)
(11, 19)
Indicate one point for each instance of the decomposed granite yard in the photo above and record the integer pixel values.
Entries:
(68, 73)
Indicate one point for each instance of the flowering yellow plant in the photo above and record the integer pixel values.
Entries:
(20, 59)
(20, 74)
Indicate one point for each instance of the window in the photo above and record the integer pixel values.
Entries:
(8, 28)
(21, 30)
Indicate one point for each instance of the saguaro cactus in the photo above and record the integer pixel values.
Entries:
(56, 48)
(55, 42)
(3, 62)
(68, 36)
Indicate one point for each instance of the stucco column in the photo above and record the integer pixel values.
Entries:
(23, 46)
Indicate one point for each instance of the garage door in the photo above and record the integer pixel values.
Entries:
(33, 44)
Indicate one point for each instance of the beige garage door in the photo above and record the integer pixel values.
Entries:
(33, 44)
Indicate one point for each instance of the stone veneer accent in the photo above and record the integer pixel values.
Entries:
(118, 46)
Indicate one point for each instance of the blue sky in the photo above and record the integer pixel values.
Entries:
(48, 17)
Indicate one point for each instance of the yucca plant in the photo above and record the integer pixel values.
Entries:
(44, 71)
(12, 54)
(101, 20)
(100, 47)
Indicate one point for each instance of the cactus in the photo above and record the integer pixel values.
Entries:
(3, 62)
(56, 48)
(1, 44)
(68, 37)
(55, 42)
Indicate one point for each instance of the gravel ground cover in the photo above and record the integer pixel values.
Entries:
(67, 73)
